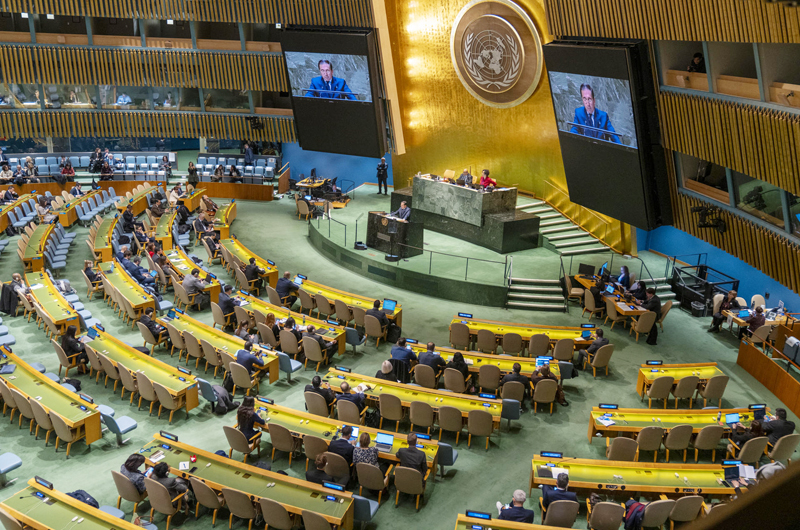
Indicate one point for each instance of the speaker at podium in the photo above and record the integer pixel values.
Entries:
(395, 237)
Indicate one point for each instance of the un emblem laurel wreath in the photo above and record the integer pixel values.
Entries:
(475, 72)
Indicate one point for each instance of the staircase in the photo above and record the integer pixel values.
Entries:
(540, 295)
(559, 234)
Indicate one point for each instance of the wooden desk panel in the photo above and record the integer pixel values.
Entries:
(33, 256)
(223, 218)
(118, 277)
(183, 266)
(68, 213)
(704, 371)
(192, 201)
(475, 360)
(10, 207)
(555, 333)
(352, 300)
(236, 248)
(103, 238)
(51, 301)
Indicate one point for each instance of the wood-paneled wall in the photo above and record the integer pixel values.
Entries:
(703, 20)
(181, 69)
(774, 255)
(353, 13)
(40, 124)
(759, 142)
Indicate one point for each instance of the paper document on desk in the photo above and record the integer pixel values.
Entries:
(183, 267)
(363, 387)
(36, 286)
(730, 319)
(605, 421)
(558, 470)
(748, 472)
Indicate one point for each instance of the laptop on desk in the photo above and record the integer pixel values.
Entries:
(744, 313)
(389, 306)
(732, 419)
(384, 442)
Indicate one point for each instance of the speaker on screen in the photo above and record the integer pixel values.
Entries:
(604, 103)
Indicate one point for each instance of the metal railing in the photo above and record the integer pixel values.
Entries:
(702, 259)
(505, 263)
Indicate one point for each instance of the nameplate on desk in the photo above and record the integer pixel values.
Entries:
(465, 315)
(168, 436)
(757, 406)
(332, 486)
(589, 326)
(609, 406)
(266, 400)
(42, 482)
(384, 237)
(343, 369)
(551, 454)
(654, 363)
(184, 370)
(479, 515)
(412, 341)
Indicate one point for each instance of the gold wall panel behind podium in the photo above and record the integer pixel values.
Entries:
(445, 127)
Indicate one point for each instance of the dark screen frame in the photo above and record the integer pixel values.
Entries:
(339, 126)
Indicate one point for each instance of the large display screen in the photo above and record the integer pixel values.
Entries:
(333, 77)
(328, 76)
(603, 106)
(595, 107)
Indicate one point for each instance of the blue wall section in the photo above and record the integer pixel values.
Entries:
(674, 242)
(358, 169)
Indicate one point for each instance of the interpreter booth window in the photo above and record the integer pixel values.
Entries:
(794, 214)
(149, 98)
(759, 199)
(217, 100)
(20, 96)
(70, 97)
(683, 64)
(703, 177)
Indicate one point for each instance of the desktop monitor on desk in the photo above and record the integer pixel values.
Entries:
(585, 269)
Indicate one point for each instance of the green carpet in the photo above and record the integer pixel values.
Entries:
(478, 479)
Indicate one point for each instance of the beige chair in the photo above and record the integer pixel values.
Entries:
(302, 210)
(266, 334)
(590, 305)
(324, 306)
(613, 315)
(409, 481)
(600, 358)
(543, 393)
(643, 324)
(685, 389)
(560, 514)
(128, 380)
(275, 515)
(337, 467)
(42, 420)
(313, 447)
(220, 319)
(751, 452)
(91, 288)
(761, 336)
(459, 336)
(242, 379)
(127, 490)
(650, 439)
(182, 299)
(193, 349)
(717, 302)
(282, 440)
(177, 340)
(486, 341)
(289, 343)
(605, 515)
(663, 314)
(425, 376)
(24, 408)
(783, 450)
(8, 399)
(513, 390)
(512, 344)
(656, 513)
(211, 356)
(239, 442)
(166, 401)
(146, 391)
(110, 369)
(94, 362)
(708, 440)
(359, 317)
(64, 433)
(306, 302)
(623, 449)
(714, 389)
(205, 496)
(313, 352)
(538, 345)
(149, 338)
(686, 510)
(316, 404)
(421, 415)
(64, 361)
(450, 420)
(372, 478)
(348, 412)
(313, 520)
(390, 409)
(678, 439)
(659, 389)
(240, 505)
(275, 298)
(573, 292)
(372, 328)
(479, 423)
(9, 522)
(489, 378)
(454, 380)
(564, 350)
(343, 312)
(757, 301)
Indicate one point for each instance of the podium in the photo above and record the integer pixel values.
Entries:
(393, 236)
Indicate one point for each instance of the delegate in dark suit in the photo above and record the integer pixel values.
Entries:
(598, 343)
(518, 378)
(413, 458)
(380, 315)
(343, 448)
(432, 359)
(517, 514)
(286, 287)
(552, 494)
(253, 272)
(151, 324)
(248, 360)
(336, 88)
(402, 213)
(652, 303)
(402, 353)
(358, 398)
(597, 120)
(327, 393)
(777, 429)
(226, 303)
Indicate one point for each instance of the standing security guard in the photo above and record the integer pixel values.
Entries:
(383, 176)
